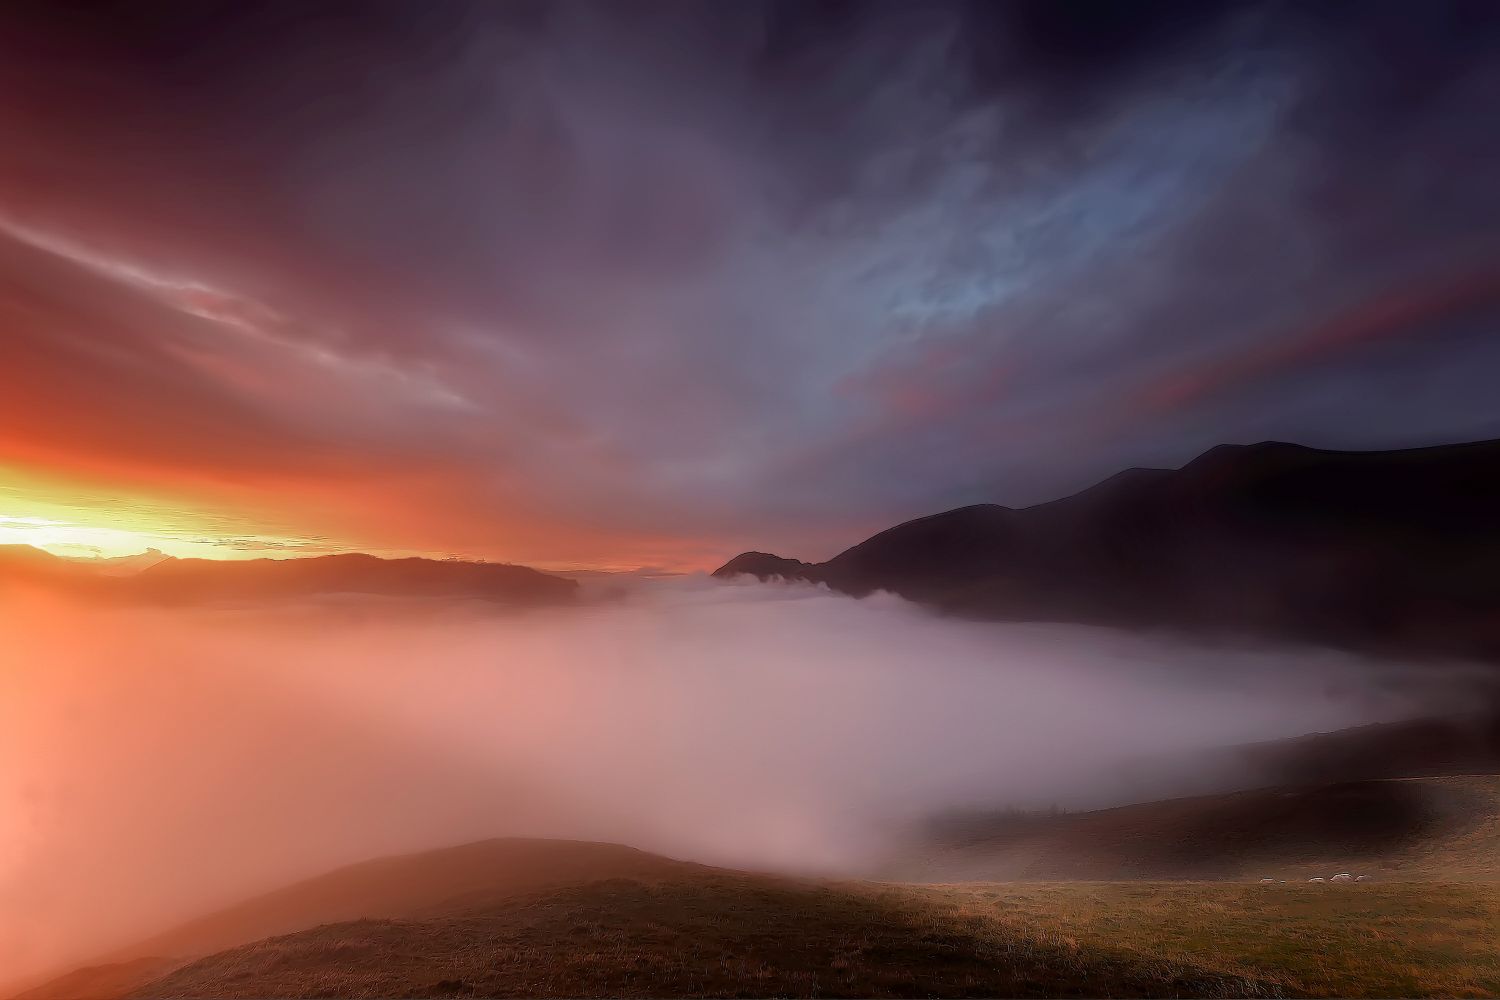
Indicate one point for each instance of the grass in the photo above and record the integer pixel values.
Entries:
(718, 936)
(557, 918)
(724, 935)
(1391, 939)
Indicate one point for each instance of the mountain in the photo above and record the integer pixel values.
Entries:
(126, 565)
(31, 563)
(180, 580)
(763, 565)
(1393, 551)
(184, 581)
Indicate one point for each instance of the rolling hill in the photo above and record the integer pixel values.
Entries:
(406, 886)
(549, 918)
(1392, 552)
(566, 918)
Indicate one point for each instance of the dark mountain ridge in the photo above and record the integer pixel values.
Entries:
(185, 581)
(1393, 551)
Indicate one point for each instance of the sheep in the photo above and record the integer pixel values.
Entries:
(1342, 877)
(1361, 878)
(1265, 880)
(1317, 880)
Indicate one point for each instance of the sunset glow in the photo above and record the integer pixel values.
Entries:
(737, 498)
(79, 520)
(709, 318)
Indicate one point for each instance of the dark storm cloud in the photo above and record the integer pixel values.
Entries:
(771, 273)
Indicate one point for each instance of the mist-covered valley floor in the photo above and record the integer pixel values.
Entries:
(163, 763)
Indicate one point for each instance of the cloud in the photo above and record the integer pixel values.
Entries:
(159, 764)
(719, 275)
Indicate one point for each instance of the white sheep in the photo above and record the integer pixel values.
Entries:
(1361, 878)
(1342, 877)
(1317, 880)
(1264, 880)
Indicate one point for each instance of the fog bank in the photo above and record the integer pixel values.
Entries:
(156, 764)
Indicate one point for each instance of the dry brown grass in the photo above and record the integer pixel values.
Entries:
(1367, 939)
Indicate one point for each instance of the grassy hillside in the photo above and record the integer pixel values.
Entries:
(1380, 939)
(1445, 829)
(489, 872)
(713, 934)
(559, 918)
(443, 881)
(565, 918)
(719, 934)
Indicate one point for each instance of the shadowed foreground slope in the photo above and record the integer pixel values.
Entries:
(552, 918)
(717, 934)
(522, 917)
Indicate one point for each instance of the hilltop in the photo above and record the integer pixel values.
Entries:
(550, 918)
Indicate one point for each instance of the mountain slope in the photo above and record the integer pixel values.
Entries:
(349, 573)
(1393, 551)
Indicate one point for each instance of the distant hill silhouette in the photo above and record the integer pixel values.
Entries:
(1394, 551)
(182, 581)
(763, 565)
(27, 561)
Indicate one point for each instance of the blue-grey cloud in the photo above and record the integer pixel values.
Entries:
(761, 272)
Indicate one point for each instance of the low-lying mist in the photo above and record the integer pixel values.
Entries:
(155, 764)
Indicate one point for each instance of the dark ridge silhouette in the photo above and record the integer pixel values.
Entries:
(1392, 552)
(186, 581)
(762, 565)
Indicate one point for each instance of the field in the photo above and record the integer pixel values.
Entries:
(558, 918)
(1390, 939)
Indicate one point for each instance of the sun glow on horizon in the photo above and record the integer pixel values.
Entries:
(90, 518)
(78, 520)
(87, 541)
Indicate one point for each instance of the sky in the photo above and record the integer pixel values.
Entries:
(617, 285)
